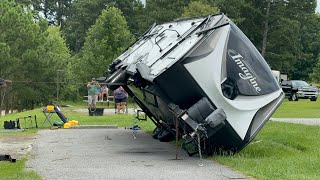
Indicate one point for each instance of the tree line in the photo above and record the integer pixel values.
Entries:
(51, 48)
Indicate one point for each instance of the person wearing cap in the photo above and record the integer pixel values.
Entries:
(93, 90)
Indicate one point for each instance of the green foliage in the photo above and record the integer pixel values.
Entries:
(31, 53)
(134, 12)
(233, 9)
(55, 11)
(199, 8)
(82, 16)
(106, 39)
(288, 32)
(316, 72)
(164, 10)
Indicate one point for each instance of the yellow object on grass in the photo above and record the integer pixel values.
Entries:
(66, 125)
(50, 108)
(70, 123)
(73, 123)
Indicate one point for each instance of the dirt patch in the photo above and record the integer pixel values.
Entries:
(16, 146)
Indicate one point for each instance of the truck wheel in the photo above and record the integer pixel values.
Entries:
(313, 99)
(294, 97)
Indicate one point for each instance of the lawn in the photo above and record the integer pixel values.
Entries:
(16, 171)
(280, 151)
(303, 108)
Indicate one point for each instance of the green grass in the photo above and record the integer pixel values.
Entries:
(121, 120)
(303, 108)
(280, 151)
(14, 171)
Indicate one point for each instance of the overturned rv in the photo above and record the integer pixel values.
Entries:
(200, 78)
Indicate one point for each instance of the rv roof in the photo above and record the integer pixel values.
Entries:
(165, 44)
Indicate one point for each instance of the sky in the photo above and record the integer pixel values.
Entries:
(144, 1)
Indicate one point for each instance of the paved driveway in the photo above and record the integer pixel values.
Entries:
(115, 154)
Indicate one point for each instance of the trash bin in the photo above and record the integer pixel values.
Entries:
(96, 112)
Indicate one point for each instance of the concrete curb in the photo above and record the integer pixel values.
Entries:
(94, 127)
(304, 121)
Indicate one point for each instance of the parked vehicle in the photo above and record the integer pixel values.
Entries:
(295, 89)
(279, 76)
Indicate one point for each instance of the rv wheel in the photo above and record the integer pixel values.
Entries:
(165, 136)
(156, 131)
(313, 99)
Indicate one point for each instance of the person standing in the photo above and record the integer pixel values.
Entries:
(93, 90)
(120, 98)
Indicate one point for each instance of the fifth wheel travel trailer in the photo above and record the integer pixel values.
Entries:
(200, 79)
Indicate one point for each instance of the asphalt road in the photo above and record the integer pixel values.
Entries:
(115, 154)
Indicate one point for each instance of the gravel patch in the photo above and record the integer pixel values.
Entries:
(16, 146)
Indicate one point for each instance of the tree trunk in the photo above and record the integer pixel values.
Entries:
(266, 29)
(45, 9)
(59, 13)
(6, 105)
(12, 102)
(1, 97)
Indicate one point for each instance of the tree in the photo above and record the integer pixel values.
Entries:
(133, 11)
(17, 39)
(199, 8)
(83, 15)
(30, 55)
(54, 11)
(163, 11)
(106, 39)
(233, 9)
(278, 29)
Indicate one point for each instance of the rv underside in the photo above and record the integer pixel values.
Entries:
(200, 80)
